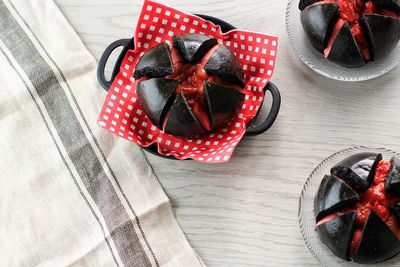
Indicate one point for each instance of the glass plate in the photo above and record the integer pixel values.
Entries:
(306, 208)
(320, 64)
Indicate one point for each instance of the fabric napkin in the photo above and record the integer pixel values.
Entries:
(123, 115)
(71, 194)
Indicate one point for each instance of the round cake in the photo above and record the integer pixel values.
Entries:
(357, 208)
(352, 32)
(189, 88)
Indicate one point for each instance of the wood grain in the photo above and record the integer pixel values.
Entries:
(244, 213)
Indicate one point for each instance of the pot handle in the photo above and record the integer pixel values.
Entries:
(106, 84)
(269, 121)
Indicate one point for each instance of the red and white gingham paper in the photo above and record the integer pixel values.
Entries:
(122, 114)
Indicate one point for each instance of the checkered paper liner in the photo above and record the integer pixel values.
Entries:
(122, 114)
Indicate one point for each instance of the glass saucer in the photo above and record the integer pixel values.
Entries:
(306, 208)
(320, 64)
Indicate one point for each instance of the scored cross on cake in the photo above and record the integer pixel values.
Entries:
(352, 32)
(357, 208)
(191, 87)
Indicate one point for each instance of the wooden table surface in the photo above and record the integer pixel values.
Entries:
(244, 213)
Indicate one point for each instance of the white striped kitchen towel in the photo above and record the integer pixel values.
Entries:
(71, 194)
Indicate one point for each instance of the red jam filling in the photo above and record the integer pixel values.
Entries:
(193, 77)
(351, 11)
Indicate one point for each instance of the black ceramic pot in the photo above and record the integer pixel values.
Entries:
(128, 44)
